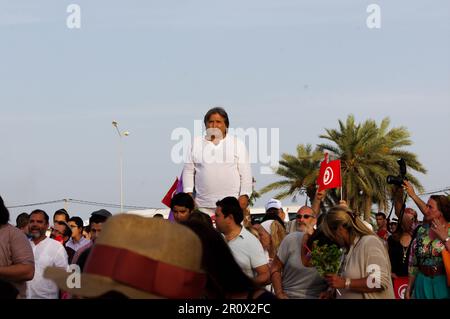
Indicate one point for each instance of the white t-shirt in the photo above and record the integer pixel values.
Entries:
(47, 253)
(217, 171)
(248, 252)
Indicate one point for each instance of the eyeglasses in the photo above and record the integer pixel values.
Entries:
(304, 216)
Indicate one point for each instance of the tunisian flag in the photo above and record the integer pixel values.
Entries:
(176, 188)
(172, 191)
(400, 285)
(329, 174)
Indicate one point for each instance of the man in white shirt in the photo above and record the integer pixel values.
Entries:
(217, 165)
(246, 248)
(47, 252)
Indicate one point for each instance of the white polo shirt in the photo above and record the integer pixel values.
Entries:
(47, 253)
(248, 252)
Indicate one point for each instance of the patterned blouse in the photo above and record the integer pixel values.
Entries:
(424, 251)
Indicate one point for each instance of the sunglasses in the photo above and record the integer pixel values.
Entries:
(304, 216)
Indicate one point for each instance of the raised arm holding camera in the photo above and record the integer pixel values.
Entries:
(427, 277)
(412, 194)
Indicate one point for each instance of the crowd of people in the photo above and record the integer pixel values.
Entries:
(213, 250)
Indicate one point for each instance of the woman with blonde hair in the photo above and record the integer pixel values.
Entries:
(366, 270)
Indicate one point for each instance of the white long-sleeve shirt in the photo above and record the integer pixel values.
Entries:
(217, 171)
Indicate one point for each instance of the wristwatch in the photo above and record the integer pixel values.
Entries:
(348, 281)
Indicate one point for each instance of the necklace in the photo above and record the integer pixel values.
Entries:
(404, 241)
(405, 252)
(305, 252)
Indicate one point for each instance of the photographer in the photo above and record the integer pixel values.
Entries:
(427, 278)
(399, 242)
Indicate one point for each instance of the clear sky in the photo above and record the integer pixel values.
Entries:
(154, 66)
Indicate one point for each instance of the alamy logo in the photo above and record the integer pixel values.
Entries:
(74, 279)
(73, 21)
(261, 148)
(374, 278)
(374, 19)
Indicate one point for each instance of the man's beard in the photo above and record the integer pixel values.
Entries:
(36, 233)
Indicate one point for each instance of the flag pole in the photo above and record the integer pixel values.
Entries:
(340, 168)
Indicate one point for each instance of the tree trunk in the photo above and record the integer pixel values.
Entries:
(311, 193)
(368, 208)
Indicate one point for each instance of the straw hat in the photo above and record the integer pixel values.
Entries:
(140, 258)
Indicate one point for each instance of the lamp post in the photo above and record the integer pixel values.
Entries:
(121, 135)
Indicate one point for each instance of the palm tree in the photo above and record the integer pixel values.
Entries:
(301, 172)
(255, 195)
(368, 154)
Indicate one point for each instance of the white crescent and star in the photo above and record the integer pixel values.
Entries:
(328, 176)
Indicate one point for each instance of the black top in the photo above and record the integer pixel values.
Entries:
(399, 256)
(70, 253)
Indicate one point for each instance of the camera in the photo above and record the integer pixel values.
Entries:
(398, 180)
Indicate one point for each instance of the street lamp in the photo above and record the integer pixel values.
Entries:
(121, 134)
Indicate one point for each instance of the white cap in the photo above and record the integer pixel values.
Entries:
(273, 203)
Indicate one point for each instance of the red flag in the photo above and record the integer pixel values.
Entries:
(400, 285)
(168, 198)
(329, 174)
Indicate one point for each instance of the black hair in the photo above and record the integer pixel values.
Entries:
(40, 211)
(4, 213)
(77, 221)
(217, 110)
(321, 239)
(381, 214)
(62, 211)
(224, 275)
(272, 214)
(97, 219)
(201, 217)
(182, 199)
(272, 211)
(158, 215)
(67, 229)
(22, 220)
(230, 206)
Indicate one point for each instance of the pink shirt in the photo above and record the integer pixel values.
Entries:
(15, 249)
